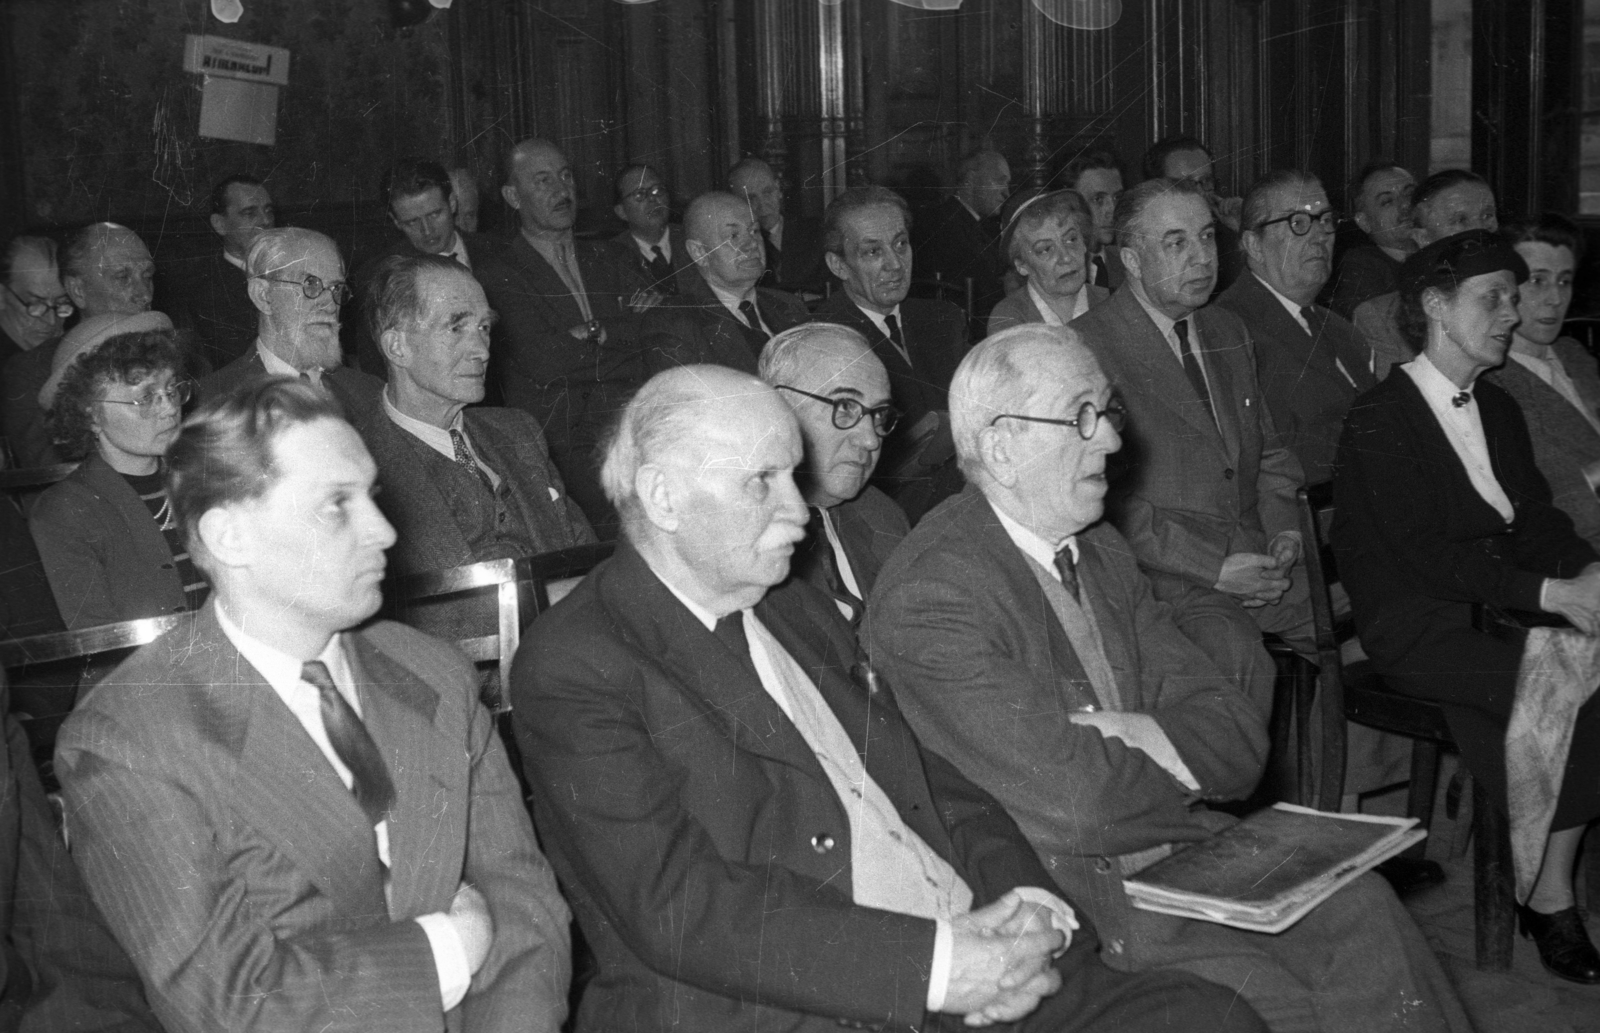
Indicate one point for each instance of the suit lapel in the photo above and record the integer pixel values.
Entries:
(427, 825)
(1221, 374)
(544, 283)
(1167, 383)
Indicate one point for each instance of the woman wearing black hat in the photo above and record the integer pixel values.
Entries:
(1439, 506)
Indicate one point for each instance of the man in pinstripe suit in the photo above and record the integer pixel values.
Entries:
(294, 818)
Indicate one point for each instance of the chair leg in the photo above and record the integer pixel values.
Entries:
(1279, 781)
(1304, 675)
(1424, 784)
(1493, 883)
(1327, 691)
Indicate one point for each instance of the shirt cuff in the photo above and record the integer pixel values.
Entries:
(943, 955)
(1544, 590)
(1062, 917)
(450, 958)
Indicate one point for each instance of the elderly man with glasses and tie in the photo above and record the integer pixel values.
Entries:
(294, 817)
(839, 392)
(462, 482)
(296, 280)
(1024, 644)
(721, 316)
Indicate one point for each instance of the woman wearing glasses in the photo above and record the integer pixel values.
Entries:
(111, 548)
(1046, 240)
(1440, 510)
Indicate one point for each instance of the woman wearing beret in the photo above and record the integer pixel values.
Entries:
(1439, 506)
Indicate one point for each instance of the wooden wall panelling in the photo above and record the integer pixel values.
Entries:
(1232, 99)
(1560, 118)
(692, 96)
(1506, 99)
(14, 208)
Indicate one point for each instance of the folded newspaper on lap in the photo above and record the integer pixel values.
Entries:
(1266, 872)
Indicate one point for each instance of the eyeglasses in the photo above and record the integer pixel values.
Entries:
(312, 287)
(649, 193)
(149, 402)
(847, 412)
(62, 307)
(1300, 222)
(1088, 421)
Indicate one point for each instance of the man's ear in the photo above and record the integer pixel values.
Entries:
(1130, 262)
(257, 288)
(652, 486)
(392, 344)
(508, 194)
(1254, 250)
(697, 251)
(219, 225)
(1363, 223)
(224, 539)
(454, 204)
(994, 451)
(395, 222)
(73, 285)
(836, 265)
(616, 210)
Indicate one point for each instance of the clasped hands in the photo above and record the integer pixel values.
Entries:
(1000, 965)
(1256, 579)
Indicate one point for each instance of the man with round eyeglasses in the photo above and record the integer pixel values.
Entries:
(33, 309)
(650, 247)
(839, 393)
(1312, 363)
(1025, 645)
(297, 284)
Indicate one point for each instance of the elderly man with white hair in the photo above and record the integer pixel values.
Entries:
(696, 742)
(296, 280)
(1024, 643)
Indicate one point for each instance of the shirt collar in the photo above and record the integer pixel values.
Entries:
(237, 263)
(436, 438)
(1436, 388)
(279, 669)
(878, 318)
(1163, 323)
(1033, 546)
(546, 246)
(644, 246)
(701, 614)
(278, 367)
(970, 210)
(730, 300)
(1294, 310)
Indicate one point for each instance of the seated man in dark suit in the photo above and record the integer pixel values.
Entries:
(293, 817)
(422, 206)
(960, 239)
(1097, 177)
(794, 242)
(209, 294)
(1024, 644)
(650, 248)
(461, 482)
(297, 285)
(866, 232)
(1311, 362)
(566, 347)
(721, 317)
(752, 837)
(33, 309)
(839, 392)
(1381, 200)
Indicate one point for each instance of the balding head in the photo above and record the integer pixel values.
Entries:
(701, 468)
(540, 188)
(107, 270)
(722, 236)
(283, 265)
(829, 376)
(754, 180)
(1044, 475)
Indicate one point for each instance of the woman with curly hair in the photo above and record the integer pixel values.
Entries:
(1046, 240)
(111, 548)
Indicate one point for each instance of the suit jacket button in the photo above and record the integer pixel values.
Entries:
(822, 842)
(1228, 474)
(1102, 864)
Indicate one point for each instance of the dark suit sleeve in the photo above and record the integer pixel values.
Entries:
(1006, 723)
(744, 927)
(1280, 475)
(141, 835)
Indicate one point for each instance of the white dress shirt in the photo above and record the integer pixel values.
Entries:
(438, 438)
(847, 573)
(880, 320)
(665, 244)
(1080, 304)
(304, 701)
(892, 868)
(277, 367)
(237, 263)
(730, 301)
(459, 252)
(1170, 335)
(1463, 427)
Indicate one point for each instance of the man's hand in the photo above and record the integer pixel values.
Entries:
(1000, 961)
(1253, 578)
(1229, 209)
(1285, 548)
(469, 913)
(1577, 599)
(644, 300)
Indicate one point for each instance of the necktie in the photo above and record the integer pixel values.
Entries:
(819, 541)
(751, 316)
(351, 743)
(1309, 314)
(730, 630)
(1191, 367)
(1067, 567)
(464, 457)
(895, 337)
(1102, 278)
(661, 271)
(574, 279)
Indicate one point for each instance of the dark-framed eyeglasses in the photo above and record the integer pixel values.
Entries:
(148, 402)
(1087, 420)
(313, 287)
(644, 194)
(1300, 222)
(36, 309)
(847, 412)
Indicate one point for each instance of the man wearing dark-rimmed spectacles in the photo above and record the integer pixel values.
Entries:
(33, 311)
(650, 248)
(839, 392)
(297, 284)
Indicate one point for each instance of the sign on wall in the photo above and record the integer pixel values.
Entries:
(236, 59)
(239, 95)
